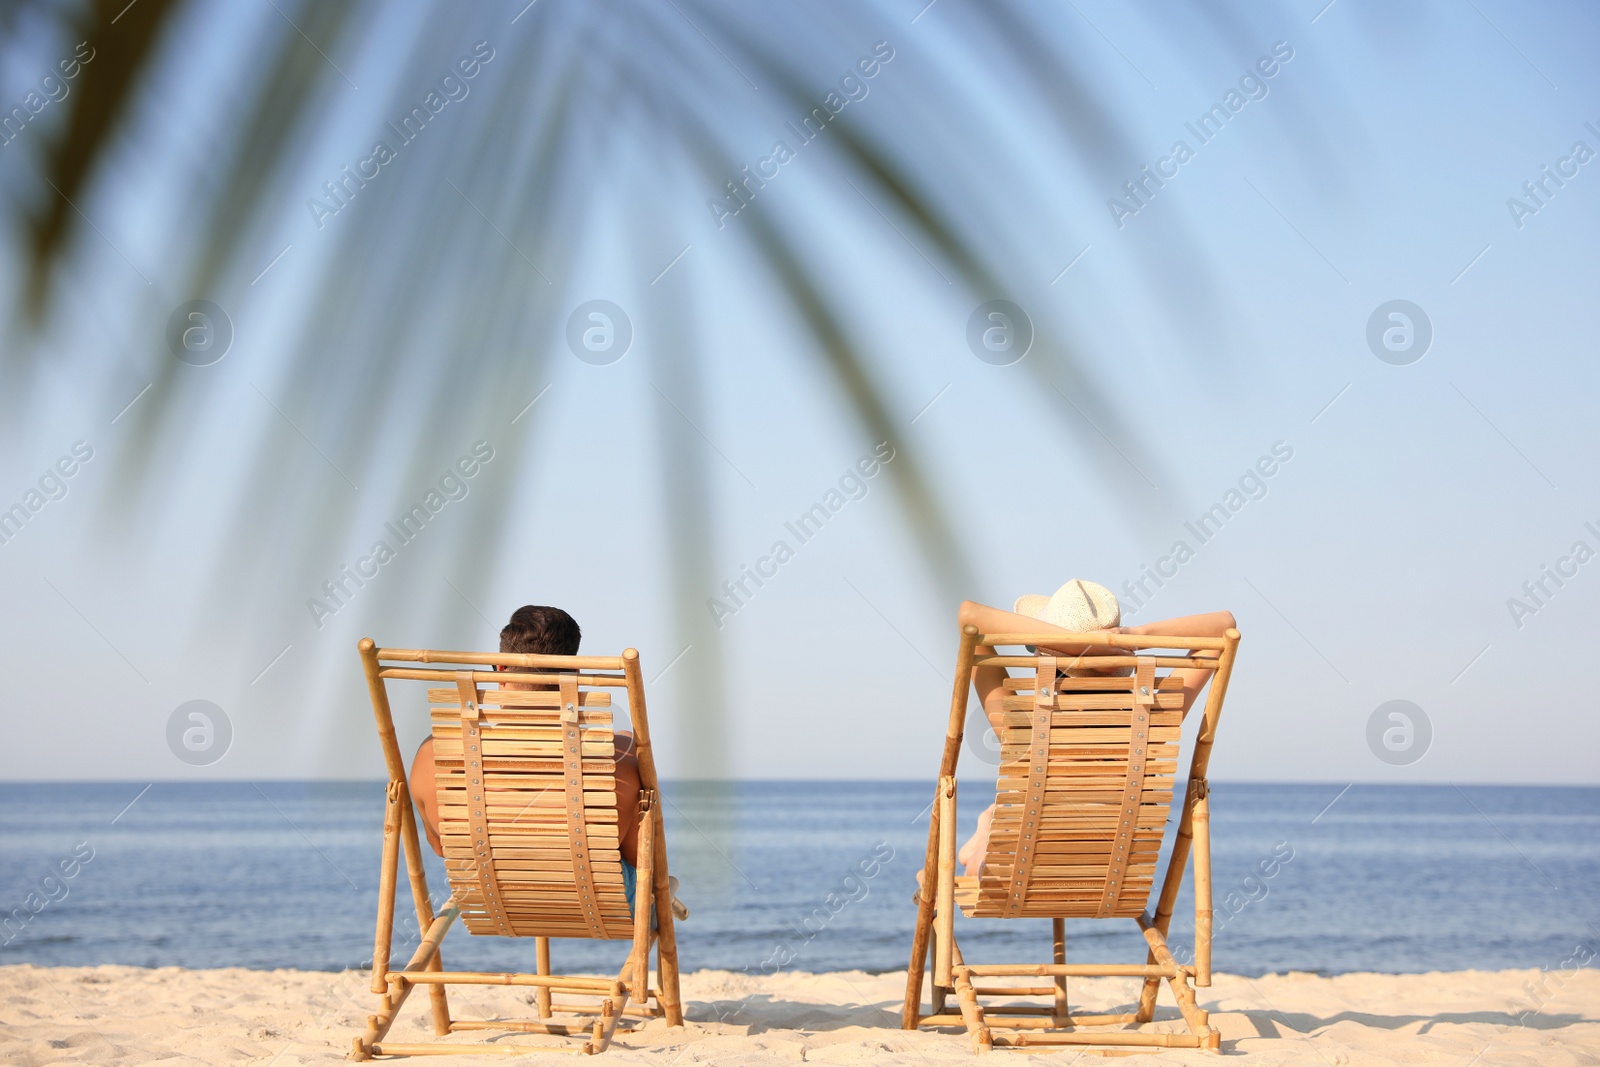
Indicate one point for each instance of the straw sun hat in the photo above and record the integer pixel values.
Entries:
(1078, 605)
(1081, 606)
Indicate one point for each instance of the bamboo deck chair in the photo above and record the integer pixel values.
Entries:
(528, 819)
(1084, 792)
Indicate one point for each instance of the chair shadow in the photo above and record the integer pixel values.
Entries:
(763, 1013)
(1266, 1021)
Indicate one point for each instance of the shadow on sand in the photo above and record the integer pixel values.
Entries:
(762, 1013)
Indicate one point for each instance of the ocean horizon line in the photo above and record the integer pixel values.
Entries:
(1335, 783)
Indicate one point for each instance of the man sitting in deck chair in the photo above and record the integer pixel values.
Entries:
(1077, 607)
(545, 631)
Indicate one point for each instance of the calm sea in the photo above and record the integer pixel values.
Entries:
(1317, 878)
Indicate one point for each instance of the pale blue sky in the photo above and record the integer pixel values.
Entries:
(1378, 566)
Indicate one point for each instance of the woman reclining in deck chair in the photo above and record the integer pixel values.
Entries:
(1077, 607)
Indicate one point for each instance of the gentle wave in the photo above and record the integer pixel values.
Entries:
(275, 874)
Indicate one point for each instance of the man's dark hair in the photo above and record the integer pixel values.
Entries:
(541, 631)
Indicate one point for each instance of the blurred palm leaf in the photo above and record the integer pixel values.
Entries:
(434, 294)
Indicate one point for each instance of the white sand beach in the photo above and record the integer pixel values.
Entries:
(127, 1015)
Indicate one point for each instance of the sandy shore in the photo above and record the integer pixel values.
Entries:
(128, 1015)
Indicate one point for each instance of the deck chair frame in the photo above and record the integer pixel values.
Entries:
(599, 1004)
(1041, 1026)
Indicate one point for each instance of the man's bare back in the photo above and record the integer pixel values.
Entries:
(546, 631)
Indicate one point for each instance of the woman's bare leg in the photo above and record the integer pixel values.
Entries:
(977, 846)
(425, 792)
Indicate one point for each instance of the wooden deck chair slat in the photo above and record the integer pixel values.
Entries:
(1032, 808)
(474, 807)
(529, 827)
(531, 701)
(1101, 699)
(1100, 663)
(1137, 740)
(1084, 793)
(1093, 780)
(1082, 683)
(528, 728)
(525, 765)
(520, 808)
(436, 674)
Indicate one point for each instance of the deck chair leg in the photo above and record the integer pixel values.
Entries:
(388, 875)
(611, 1009)
(940, 993)
(922, 932)
(396, 765)
(960, 684)
(944, 892)
(638, 968)
(972, 1013)
(541, 965)
(396, 991)
(666, 932)
(1198, 1019)
(1147, 994)
(921, 961)
(1167, 901)
(1058, 954)
(936, 992)
(438, 1002)
(1202, 889)
(668, 995)
(666, 988)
